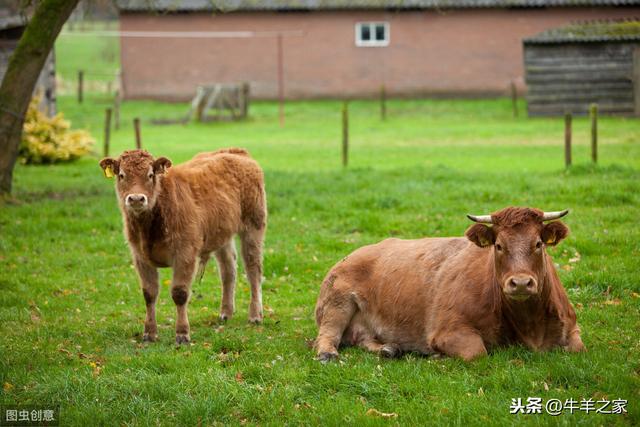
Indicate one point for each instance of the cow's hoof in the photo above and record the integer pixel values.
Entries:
(182, 339)
(147, 337)
(389, 351)
(224, 317)
(327, 357)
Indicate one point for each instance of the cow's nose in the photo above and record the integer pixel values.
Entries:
(136, 199)
(521, 283)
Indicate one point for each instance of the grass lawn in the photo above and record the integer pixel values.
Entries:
(71, 312)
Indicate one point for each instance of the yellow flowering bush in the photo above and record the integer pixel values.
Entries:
(50, 139)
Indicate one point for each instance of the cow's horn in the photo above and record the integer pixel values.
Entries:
(486, 219)
(548, 216)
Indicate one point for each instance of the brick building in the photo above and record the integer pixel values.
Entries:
(337, 48)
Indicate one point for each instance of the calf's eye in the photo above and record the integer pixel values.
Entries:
(150, 176)
(120, 176)
(538, 245)
(498, 247)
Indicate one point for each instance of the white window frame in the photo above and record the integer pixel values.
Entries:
(372, 25)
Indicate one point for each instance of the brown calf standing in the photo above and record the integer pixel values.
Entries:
(452, 296)
(177, 216)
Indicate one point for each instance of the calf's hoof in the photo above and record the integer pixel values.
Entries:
(149, 337)
(182, 339)
(224, 317)
(326, 357)
(255, 320)
(389, 351)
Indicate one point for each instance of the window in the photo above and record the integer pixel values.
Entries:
(372, 34)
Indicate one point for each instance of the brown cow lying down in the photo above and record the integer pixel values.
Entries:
(453, 296)
(176, 217)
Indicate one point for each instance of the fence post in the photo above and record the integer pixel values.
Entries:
(593, 112)
(245, 99)
(383, 103)
(514, 99)
(136, 127)
(567, 139)
(345, 133)
(116, 110)
(107, 131)
(280, 79)
(80, 85)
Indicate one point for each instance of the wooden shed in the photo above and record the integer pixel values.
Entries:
(568, 68)
(12, 25)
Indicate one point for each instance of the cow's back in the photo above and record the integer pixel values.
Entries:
(223, 190)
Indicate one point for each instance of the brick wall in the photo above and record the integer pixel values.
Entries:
(453, 53)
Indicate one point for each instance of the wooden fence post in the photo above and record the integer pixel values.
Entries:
(345, 133)
(116, 110)
(107, 131)
(136, 127)
(567, 139)
(383, 103)
(80, 85)
(593, 112)
(514, 99)
(245, 99)
(280, 79)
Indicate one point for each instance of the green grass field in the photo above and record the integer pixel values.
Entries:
(71, 311)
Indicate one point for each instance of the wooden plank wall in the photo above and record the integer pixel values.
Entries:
(569, 77)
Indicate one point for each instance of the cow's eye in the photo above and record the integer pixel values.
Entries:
(151, 176)
(121, 176)
(498, 247)
(539, 244)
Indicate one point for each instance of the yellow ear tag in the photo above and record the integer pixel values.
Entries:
(108, 172)
(551, 239)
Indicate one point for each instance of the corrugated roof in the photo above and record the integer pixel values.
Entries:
(590, 31)
(275, 5)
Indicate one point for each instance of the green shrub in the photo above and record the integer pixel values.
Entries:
(50, 139)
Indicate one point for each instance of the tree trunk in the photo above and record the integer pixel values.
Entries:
(22, 74)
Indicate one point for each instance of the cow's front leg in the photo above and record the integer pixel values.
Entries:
(149, 283)
(463, 343)
(183, 272)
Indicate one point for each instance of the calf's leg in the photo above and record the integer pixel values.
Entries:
(226, 257)
(252, 240)
(149, 283)
(183, 272)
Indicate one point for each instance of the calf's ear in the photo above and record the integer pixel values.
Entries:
(480, 234)
(161, 164)
(554, 232)
(110, 166)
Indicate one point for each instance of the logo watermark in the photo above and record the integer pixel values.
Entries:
(555, 407)
(29, 415)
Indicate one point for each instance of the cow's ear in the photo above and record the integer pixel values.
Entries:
(480, 234)
(554, 232)
(161, 164)
(110, 166)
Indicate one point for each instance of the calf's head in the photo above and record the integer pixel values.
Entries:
(137, 179)
(518, 237)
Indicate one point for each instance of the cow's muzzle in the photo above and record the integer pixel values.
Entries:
(136, 202)
(520, 287)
